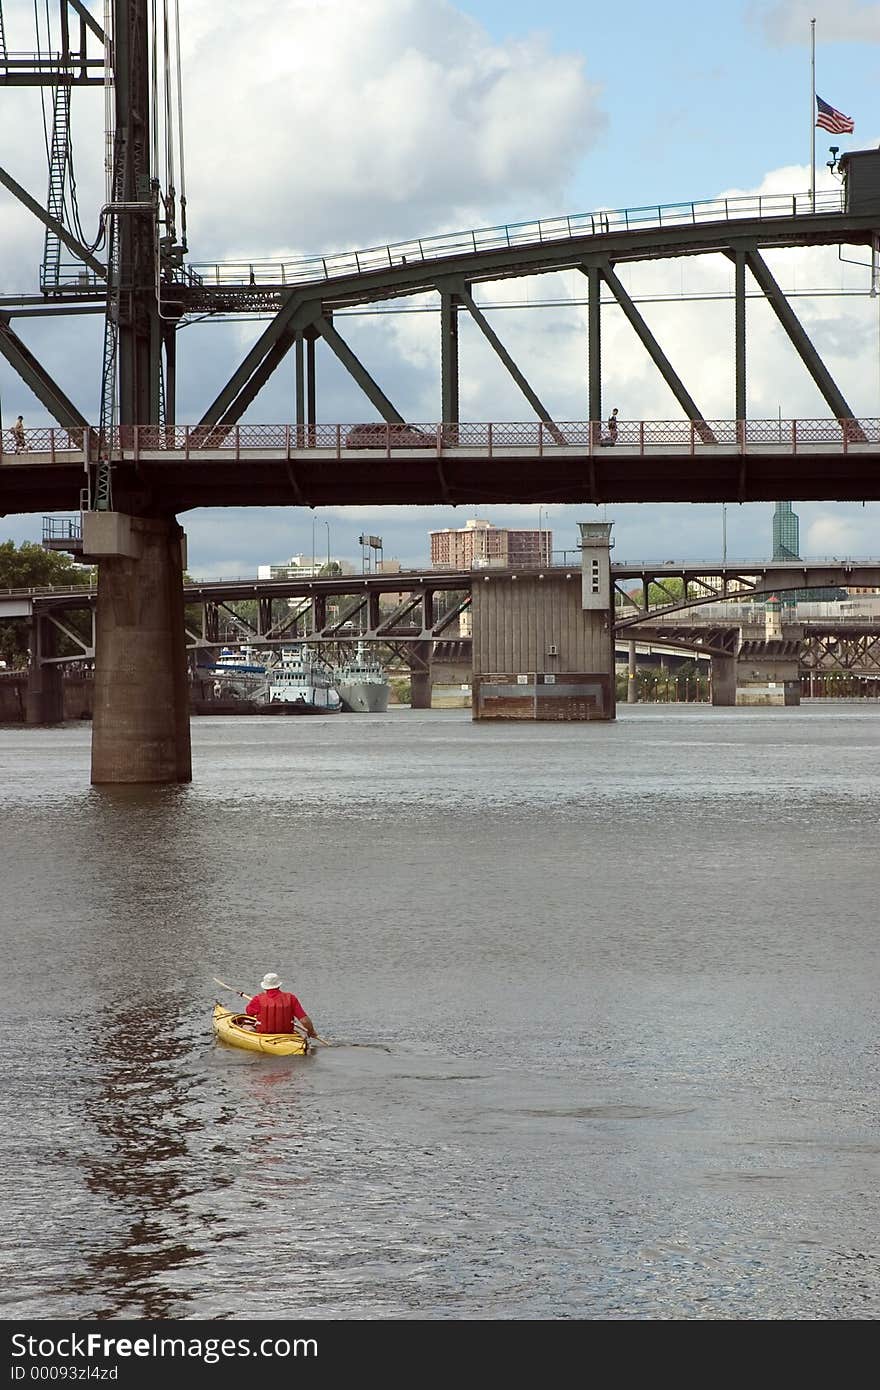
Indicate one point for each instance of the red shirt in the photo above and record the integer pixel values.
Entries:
(275, 1010)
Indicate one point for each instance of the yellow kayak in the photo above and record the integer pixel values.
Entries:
(237, 1030)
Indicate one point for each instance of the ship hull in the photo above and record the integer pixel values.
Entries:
(364, 697)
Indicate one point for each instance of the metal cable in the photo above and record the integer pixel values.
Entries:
(180, 111)
(154, 94)
(169, 121)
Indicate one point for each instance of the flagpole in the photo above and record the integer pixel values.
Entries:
(813, 114)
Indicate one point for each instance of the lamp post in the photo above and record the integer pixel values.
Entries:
(327, 524)
(724, 533)
(313, 545)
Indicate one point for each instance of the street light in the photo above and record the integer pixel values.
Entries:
(327, 524)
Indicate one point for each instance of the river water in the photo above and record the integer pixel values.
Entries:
(603, 1001)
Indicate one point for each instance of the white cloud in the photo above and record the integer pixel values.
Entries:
(348, 123)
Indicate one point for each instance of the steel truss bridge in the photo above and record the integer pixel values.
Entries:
(453, 464)
(344, 609)
(147, 288)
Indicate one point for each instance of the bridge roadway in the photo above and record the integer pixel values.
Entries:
(415, 618)
(257, 465)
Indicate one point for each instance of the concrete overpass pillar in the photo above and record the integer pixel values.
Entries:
(723, 676)
(44, 699)
(420, 675)
(631, 691)
(140, 730)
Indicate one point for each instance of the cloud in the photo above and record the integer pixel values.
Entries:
(363, 120)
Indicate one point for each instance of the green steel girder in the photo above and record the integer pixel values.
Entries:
(452, 277)
(739, 313)
(254, 370)
(594, 340)
(72, 243)
(651, 346)
(462, 292)
(656, 243)
(449, 378)
(35, 376)
(88, 20)
(793, 327)
(358, 371)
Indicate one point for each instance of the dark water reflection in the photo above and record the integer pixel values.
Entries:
(624, 980)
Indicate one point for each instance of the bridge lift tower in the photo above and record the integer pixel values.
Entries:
(141, 715)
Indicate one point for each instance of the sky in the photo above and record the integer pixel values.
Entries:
(324, 125)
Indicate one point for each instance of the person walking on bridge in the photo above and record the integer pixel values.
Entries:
(276, 1009)
(18, 435)
(612, 426)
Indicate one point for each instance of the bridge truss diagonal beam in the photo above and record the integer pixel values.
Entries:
(653, 348)
(72, 243)
(275, 341)
(799, 338)
(462, 291)
(88, 19)
(356, 369)
(35, 376)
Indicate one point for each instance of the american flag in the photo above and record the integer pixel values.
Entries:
(832, 120)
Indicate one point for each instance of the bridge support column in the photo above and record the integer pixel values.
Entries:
(140, 729)
(543, 642)
(44, 701)
(723, 680)
(631, 690)
(420, 676)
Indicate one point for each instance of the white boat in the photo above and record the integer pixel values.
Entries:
(300, 678)
(239, 674)
(362, 684)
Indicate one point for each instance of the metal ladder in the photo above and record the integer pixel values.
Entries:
(58, 164)
(100, 479)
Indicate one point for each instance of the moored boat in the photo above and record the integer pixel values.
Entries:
(362, 684)
(302, 680)
(238, 1030)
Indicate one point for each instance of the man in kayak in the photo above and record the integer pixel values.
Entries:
(275, 1009)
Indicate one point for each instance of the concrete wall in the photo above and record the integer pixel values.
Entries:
(77, 694)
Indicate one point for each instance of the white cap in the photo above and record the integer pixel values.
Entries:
(270, 981)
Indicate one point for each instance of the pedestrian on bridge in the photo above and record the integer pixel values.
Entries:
(276, 1010)
(18, 435)
(612, 426)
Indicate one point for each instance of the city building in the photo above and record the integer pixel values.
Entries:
(303, 567)
(786, 546)
(786, 541)
(480, 545)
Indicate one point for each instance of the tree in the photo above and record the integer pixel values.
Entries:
(31, 567)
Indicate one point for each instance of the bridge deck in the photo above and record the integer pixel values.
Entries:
(466, 464)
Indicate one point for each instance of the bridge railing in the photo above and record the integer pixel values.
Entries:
(307, 269)
(534, 436)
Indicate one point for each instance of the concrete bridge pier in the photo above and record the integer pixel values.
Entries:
(631, 688)
(543, 642)
(140, 729)
(723, 678)
(44, 698)
(420, 675)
